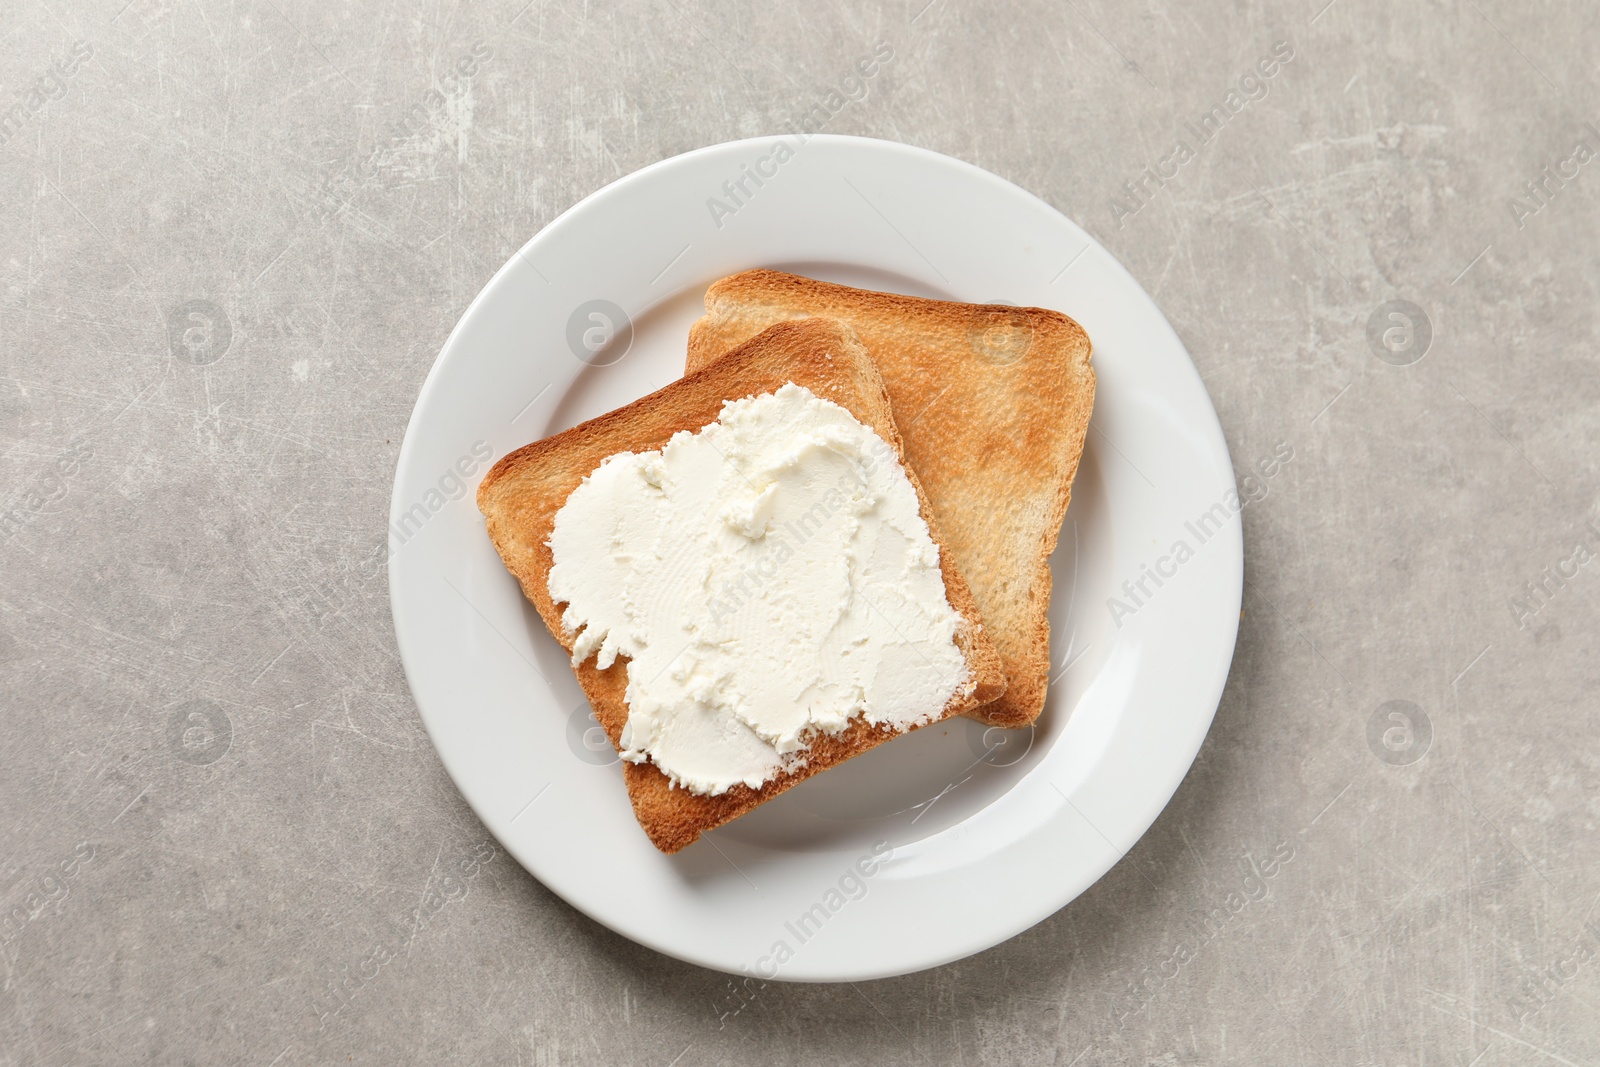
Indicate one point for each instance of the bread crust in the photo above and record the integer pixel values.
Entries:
(521, 494)
(993, 402)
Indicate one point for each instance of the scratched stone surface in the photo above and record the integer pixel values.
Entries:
(233, 238)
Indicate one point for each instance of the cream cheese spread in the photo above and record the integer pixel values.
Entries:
(767, 577)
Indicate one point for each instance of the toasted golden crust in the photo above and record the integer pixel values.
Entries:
(521, 494)
(993, 403)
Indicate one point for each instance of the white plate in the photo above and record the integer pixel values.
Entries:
(989, 833)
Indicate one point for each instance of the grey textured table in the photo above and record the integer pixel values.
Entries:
(234, 237)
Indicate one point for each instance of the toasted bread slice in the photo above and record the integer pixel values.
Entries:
(522, 493)
(992, 403)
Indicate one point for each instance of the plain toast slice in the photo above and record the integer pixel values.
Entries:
(522, 493)
(993, 403)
